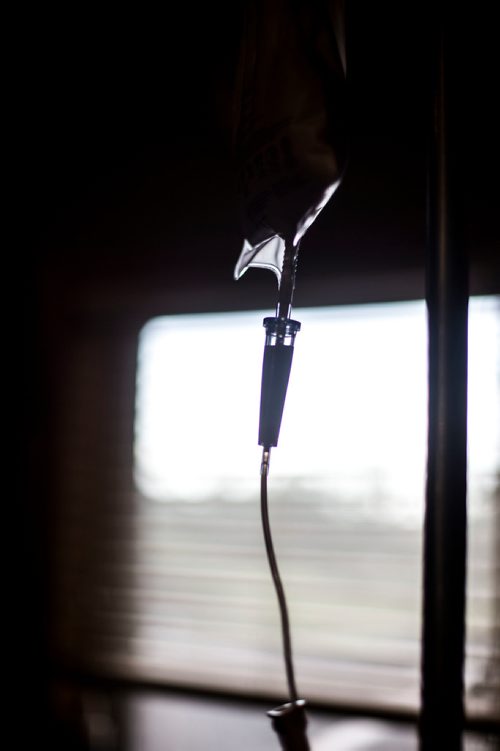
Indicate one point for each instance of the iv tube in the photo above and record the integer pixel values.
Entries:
(289, 721)
(278, 353)
(280, 592)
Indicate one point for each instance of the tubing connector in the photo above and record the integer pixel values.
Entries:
(290, 722)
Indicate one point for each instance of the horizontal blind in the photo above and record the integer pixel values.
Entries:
(180, 592)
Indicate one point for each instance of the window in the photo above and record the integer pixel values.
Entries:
(346, 496)
(160, 572)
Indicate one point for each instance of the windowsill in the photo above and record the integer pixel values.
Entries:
(142, 720)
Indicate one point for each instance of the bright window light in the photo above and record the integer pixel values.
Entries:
(356, 402)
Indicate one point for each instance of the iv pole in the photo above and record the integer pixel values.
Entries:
(442, 712)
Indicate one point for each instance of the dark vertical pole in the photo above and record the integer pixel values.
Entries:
(445, 514)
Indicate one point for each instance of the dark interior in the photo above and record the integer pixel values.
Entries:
(128, 208)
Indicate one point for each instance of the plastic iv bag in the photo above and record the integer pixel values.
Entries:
(290, 123)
